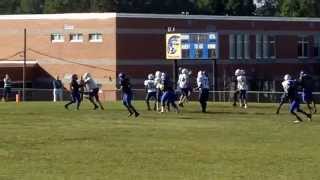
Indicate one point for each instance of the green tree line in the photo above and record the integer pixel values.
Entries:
(291, 8)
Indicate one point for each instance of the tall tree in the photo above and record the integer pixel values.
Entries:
(215, 7)
(240, 8)
(56, 6)
(9, 6)
(300, 8)
(268, 8)
(31, 6)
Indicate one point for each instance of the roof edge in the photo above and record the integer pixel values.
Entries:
(214, 17)
(66, 16)
(108, 15)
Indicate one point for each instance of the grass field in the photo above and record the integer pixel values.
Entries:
(43, 141)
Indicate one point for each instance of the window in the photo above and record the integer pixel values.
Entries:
(95, 37)
(265, 46)
(239, 46)
(316, 46)
(57, 37)
(303, 47)
(76, 37)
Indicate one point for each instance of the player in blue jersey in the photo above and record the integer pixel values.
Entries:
(307, 83)
(292, 89)
(151, 90)
(75, 92)
(127, 94)
(168, 96)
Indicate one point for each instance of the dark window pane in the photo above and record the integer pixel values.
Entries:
(300, 50)
(272, 48)
(306, 50)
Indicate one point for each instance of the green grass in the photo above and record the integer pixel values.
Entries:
(43, 141)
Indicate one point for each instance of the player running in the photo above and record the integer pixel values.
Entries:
(306, 82)
(157, 81)
(284, 97)
(183, 85)
(236, 90)
(127, 95)
(168, 96)
(203, 86)
(242, 87)
(151, 89)
(93, 89)
(75, 92)
(292, 89)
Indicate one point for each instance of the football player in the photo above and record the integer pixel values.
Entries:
(75, 92)
(93, 90)
(183, 86)
(284, 96)
(306, 82)
(242, 87)
(168, 96)
(292, 89)
(150, 86)
(203, 87)
(127, 94)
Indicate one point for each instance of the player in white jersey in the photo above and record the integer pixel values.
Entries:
(151, 90)
(203, 86)
(236, 90)
(157, 82)
(242, 87)
(183, 85)
(93, 89)
(285, 85)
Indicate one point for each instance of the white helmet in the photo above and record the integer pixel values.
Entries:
(237, 72)
(86, 76)
(184, 71)
(287, 77)
(150, 76)
(200, 73)
(163, 76)
(158, 74)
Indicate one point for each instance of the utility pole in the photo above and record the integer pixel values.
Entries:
(24, 66)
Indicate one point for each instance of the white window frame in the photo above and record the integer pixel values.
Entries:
(77, 39)
(95, 40)
(59, 40)
(317, 45)
(263, 46)
(303, 40)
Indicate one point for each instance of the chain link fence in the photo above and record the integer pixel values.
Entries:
(139, 94)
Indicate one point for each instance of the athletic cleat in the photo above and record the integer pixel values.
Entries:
(136, 115)
(66, 107)
(245, 106)
(130, 114)
(309, 117)
(297, 121)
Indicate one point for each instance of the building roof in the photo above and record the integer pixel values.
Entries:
(107, 15)
(211, 17)
(67, 16)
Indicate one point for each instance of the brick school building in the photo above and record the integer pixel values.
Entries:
(105, 44)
